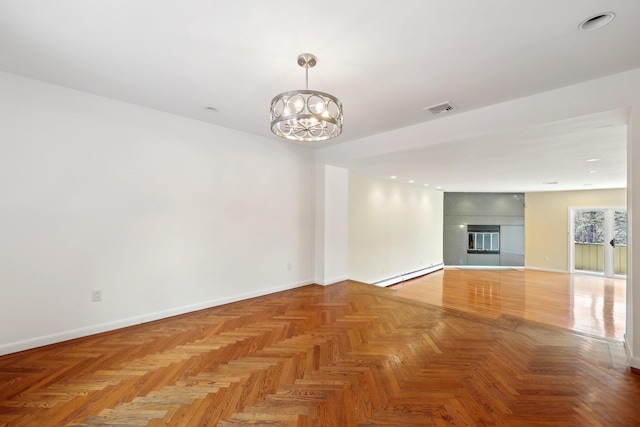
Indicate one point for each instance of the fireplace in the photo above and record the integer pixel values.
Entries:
(483, 239)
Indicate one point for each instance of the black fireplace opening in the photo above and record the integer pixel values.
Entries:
(483, 239)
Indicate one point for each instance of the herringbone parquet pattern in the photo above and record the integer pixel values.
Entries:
(342, 355)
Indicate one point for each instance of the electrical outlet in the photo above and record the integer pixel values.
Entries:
(546, 258)
(96, 295)
(288, 266)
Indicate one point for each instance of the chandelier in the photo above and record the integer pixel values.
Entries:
(306, 115)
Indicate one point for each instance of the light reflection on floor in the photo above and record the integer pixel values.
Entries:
(587, 304)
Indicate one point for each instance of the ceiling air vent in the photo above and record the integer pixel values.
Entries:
(445, 107)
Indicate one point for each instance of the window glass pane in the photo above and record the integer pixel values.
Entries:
(620, 228)
(589, 226)
(620, 242)
(495, 241)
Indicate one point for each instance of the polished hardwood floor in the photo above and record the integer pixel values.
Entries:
(588, 304)
(342, 355)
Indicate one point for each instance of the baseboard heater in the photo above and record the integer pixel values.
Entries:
(408, 276)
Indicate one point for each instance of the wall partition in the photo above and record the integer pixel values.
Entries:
(484, 229)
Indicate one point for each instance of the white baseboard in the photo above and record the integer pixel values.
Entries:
(331, 281)
(17, 346)
(407, 276)
(548, 270)
(634, 362)
(486, 267)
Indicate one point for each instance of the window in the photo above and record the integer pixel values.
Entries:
(483, 239)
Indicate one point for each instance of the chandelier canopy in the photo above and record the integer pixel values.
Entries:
(306, 115)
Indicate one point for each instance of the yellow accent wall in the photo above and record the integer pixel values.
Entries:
(546, 224)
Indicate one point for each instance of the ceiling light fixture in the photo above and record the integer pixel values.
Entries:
(306, 115)
(596, 21)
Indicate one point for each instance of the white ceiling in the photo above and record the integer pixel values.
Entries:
(386, 61)
(583, 153)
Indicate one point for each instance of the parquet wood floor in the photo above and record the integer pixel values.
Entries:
(342, 355)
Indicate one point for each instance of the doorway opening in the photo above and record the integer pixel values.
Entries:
(598, 241)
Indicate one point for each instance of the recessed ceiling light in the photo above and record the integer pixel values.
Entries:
(393, 177)
(592, 160)
(550, 182)
(211, 109)
(593, 171)
(411, 181)
(596, 21)
(426, 185)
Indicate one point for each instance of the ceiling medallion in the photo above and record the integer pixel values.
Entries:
(306, 115)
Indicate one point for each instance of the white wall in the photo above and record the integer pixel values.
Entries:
(632, 334)
(394, 228)
(336, 223)
(331, 224)
(163, 213)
